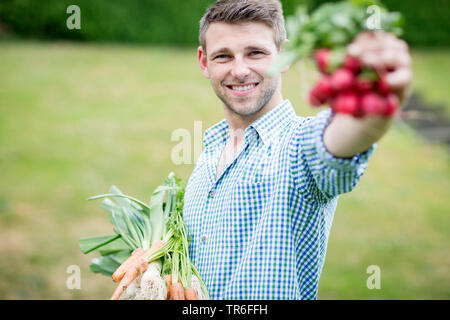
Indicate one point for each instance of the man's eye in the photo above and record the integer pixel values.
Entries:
(255, 53)
(221, 56)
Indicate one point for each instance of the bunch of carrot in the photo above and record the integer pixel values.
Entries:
(148, 254)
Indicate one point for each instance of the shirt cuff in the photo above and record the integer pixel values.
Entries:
(323, 119)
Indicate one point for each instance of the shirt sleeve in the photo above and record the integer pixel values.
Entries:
(312, 161)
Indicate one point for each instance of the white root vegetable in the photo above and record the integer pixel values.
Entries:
(195, 284)
(153, 286)
(133, 288)
(148, 286)
(154, 267)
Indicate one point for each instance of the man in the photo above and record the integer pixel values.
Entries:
(260, 201)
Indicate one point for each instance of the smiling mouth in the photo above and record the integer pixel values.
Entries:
(242, 87)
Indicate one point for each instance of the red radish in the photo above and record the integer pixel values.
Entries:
(342, 79)
(323, 59)
(323, 88)
(321, 92)
(346, 102)
(383, 86)
(392, 104)
(372, 103)
(352, 63)
(363, 84)
(315, 98)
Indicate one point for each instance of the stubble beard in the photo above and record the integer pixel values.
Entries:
(263, 99)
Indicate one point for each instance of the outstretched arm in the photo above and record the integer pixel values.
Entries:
(347, 136)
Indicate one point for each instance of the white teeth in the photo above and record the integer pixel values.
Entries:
(243, 88)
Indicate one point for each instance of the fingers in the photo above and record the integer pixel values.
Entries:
(378, 40)
(388, 59)
(388, 55)
(399, 78)
(363, 43)
(391, 41)
(380, 50)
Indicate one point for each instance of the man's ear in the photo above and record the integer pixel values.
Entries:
(202, 61)
(283, 45)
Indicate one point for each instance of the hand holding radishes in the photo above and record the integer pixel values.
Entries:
(364, 74)
(371, 78)
(388, 56)
(363, 111)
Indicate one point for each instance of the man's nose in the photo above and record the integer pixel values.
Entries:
(240, 69)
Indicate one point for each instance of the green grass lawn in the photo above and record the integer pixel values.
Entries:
(431, 68)
(77, 118)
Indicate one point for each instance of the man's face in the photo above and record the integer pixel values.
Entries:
(236, 60)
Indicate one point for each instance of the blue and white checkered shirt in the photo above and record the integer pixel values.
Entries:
(260, 231)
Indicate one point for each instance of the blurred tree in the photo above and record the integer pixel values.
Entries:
(175, 22)
(425, 22)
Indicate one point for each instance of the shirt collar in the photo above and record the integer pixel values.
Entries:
(267, 126)
(216, 134)
(271, 123)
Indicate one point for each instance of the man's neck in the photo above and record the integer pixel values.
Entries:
(238, 123)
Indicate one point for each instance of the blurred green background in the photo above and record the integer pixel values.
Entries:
(81, 110)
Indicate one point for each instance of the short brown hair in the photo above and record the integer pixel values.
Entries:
(268, 12)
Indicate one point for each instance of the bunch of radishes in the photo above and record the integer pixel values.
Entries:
(351, 88)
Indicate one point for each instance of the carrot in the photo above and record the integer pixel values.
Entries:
(128, 278)
(136, 265)
(177, 291)
(142, 264)
(190, 294)
(133, 259)
(122, 269)
(168, 278)
(156, 246)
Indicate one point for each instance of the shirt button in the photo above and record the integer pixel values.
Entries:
(203, 238)
(212, 193)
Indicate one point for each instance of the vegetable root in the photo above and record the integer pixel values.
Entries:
(127, 279)
(168, 278)
(132, 291)
(177, 291)
(142, 265)
(120, 272)
(153, 286)
(137, 265)
(190, 294)
(195, 284)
